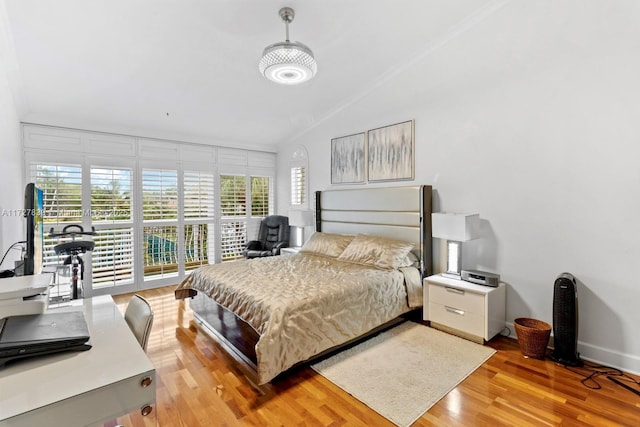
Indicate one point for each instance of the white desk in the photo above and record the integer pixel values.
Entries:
(81, 388)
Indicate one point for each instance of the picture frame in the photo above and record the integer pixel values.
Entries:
(348, 159)
(391, 152)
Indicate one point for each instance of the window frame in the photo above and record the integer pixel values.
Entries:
(89, 149)
(103, 163)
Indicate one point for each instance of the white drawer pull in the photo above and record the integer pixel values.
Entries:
(454, 310)
(454, 290)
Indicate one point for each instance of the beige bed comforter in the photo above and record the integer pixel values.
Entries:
(303, 304)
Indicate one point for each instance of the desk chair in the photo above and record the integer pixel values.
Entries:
(139, 317)
(272, 236)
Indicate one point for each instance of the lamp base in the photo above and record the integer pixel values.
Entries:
(454, 260)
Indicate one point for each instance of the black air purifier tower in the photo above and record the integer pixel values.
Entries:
(565, 321)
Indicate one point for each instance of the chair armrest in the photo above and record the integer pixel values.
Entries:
(278, 246)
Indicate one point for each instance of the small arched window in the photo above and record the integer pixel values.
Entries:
(299, 178)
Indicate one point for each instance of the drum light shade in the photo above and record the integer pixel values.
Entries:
(288, 62)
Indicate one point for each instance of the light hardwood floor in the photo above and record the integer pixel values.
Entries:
(199, 385)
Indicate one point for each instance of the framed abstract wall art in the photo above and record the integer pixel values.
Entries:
(348, 164)
(391, 152)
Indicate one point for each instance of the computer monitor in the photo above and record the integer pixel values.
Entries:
(33, 205)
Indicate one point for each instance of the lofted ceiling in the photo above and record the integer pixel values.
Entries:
(188, 69)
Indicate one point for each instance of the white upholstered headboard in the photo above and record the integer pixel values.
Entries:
(402, 213)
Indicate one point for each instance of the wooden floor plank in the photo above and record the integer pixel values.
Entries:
(199, 385)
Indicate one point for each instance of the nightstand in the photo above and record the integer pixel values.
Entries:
(290, 250)
(474, 312)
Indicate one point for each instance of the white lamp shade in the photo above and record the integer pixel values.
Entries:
(299, 218)
(455, 226)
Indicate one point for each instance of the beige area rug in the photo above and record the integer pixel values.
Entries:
(404, 371)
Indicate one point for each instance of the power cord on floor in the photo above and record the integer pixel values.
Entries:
(595, 370)
(508, 334)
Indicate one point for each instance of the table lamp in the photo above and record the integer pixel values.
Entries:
(455, 228)
(300, 219)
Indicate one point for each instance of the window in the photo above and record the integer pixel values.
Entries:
(111, 214)
(199, 205)
(299, 185)
(160, 208)
(113, 257)
(160, 250)
(159, 194)
(160, 222)
(260, 196)
(62, 189)
(61, 186)
(233, 224)
(110, 195)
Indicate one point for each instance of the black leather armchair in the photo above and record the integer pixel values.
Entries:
(272, 236)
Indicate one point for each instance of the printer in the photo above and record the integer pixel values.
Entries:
(24, 294)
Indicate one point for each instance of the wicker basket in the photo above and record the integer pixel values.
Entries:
(533, 336)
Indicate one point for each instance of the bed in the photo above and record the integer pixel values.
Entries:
(359, 274)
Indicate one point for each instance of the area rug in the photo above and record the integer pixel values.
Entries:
(404, 371)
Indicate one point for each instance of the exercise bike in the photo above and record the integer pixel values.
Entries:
(74, 249)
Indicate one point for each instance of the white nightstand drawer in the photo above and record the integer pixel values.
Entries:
(459, 298)
(457, 318)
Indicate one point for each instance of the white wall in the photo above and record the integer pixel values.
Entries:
(11, 189)
(529, 118)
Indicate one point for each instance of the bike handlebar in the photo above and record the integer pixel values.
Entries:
(65, 231)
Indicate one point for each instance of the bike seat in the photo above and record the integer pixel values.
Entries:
(74, 248)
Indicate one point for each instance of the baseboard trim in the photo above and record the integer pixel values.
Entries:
(596, 354)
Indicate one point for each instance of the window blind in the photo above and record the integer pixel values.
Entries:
(199, 214)
(113, 257)
(233, 226)
(260, 196)
(110, 195)
(61, 186)
(233, 239)
(233, 195)
(62, 190)
(198, 195)
(159, 194)
(298, 196)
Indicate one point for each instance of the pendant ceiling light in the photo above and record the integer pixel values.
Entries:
(288, 62)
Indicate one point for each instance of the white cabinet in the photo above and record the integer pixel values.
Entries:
(472, 311)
